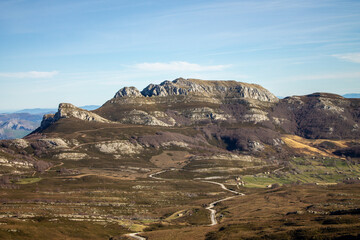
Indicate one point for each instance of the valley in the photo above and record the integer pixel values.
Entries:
(187, 159)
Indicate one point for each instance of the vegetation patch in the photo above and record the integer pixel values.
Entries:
(29, 180)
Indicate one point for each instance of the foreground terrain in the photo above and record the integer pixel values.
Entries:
(187, 159)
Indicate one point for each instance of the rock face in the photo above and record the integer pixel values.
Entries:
(128, 92)
(183, 86)
(67, 110)
(122, 147)
(144, 118)
(54, 143)
(71, 156)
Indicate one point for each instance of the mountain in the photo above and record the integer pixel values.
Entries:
(18, 125)
(235, 116)
(188, 159)
(35, 111)
(16, 128)
(352, 95)
(22, 122)
(90, 107)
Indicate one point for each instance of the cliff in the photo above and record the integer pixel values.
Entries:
(204, 88)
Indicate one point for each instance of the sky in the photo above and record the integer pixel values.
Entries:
(84, 51)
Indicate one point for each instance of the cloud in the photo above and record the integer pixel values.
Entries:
(31, 74)
(351, 57)
(348, 75)
(179, 66)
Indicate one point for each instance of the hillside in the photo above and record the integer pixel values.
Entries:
(174, 161)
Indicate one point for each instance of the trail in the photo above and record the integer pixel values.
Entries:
(49, 168)
(162, 171)
(135, 236)
(58, 165)
(210, 207)
(213, 211)
(225, 188)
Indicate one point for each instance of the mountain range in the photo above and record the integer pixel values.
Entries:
(188, 159)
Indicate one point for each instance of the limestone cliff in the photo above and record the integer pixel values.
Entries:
(204, 88)
(67, 110)
(219, 89)
(128, 92)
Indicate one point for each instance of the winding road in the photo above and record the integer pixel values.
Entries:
(135, 236)
(210, 207)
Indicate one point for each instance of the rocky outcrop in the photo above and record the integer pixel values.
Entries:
(122, 147)
(128, 92)
(67, 110)
(255, 116)
(20, 143)
(204, 113)
(205, 88)
(71, 156)
(144, 118)
(53, 143)
(15, 163)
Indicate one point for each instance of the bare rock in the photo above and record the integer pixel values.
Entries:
(144, 118)
(122, 147)
(54, 143)
(20, 143)
(67, 110)
(128, 92)
(71, 156)
(206, 88)
(255, 116)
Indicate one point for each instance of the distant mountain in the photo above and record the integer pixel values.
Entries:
(53, 110)
(23, 122)
(352, 95)
(88, 107)
(18, 125)
(37, 110)
(23, 116)
(17, 128)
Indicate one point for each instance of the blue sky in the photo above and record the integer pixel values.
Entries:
(84, 51)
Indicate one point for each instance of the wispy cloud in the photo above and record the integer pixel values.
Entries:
(345, 75)
(31, 74)
(351, 57)
(179, 66)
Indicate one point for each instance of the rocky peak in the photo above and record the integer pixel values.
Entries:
(68, 110)
(218, 89)
(128, 92)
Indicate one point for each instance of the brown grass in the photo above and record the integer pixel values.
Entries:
(304, 146)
